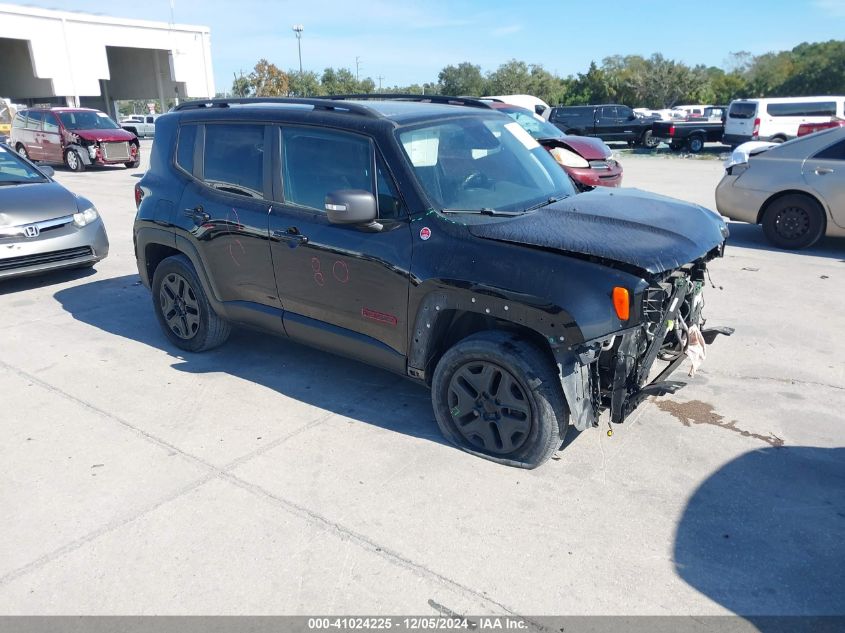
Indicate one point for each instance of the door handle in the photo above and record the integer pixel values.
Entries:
(197, 214)
(823, 171)
(290, 235)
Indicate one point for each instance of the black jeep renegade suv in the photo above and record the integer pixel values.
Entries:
(437, 241)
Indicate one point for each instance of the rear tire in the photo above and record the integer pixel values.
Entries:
(648, 140)
(695, 143)
(182, 308)
(794, 221)
(73, 161)
(498, 396)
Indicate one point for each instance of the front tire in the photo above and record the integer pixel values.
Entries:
(794, 221)
(498, 396)
(21, 150)
(182, 308)
(73, 161)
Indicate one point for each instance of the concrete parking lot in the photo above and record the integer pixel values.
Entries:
(268, 478)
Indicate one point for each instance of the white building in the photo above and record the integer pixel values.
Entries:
(68, 58)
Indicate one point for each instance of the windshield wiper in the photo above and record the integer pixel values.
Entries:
(544, 203)
(484, 211)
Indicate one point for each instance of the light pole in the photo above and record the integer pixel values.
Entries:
(357, 67)
(297, 29)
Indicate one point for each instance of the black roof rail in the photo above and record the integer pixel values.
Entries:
(317, 104)
(473, 102)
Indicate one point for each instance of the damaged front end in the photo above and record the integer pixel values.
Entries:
(612, 372)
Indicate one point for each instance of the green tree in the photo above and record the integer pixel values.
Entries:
(511, 78)
(240, 86)
(464, 79)
(304, 84)
(338, 82)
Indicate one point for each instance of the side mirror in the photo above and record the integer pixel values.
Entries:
(631, 117)
(351, 206)
(47, 170)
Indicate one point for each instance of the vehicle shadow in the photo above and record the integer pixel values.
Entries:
(765, 535)
(122, 306)
(22, 284)
(751, 236)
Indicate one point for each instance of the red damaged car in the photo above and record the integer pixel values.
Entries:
(77, 137)
(587, 160)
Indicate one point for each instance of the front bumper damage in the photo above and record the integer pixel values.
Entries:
(612, 373)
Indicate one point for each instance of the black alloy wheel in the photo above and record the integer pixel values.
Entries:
(179, 306)
(498, 396)
(489, 407)
(182, 307)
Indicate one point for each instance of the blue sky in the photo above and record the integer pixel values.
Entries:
(409, 42)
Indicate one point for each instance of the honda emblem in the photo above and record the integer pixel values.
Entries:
(31, 230)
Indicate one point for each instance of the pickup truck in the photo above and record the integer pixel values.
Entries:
(692, 134)
(141, 125)
(609, 122)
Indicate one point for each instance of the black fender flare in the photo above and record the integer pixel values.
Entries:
(148, 235)
(552, 323)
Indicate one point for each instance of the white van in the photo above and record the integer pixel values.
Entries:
(529, 102)
(777, 120)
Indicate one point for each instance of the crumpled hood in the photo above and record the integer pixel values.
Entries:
(587, 147)
(650, 232)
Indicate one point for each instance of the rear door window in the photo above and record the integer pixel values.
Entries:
(233, 158)
(50, 123)
(834, 152)
(743, 110)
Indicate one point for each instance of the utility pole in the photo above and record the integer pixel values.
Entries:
(357, 67)
(379, 81)
(297, 29)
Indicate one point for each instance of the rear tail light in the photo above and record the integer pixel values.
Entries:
(139, 195)
(671, 130)
(756, 131)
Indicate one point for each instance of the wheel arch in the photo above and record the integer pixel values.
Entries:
(445, 317)
(780, 194)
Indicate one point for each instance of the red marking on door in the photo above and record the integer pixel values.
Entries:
(425, 233)
(381, 317)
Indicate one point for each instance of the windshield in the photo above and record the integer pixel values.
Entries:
(480, 162)
(87, 120)
(14, 171)
(531, 124)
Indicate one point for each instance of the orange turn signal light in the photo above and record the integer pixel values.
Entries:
(622, 303)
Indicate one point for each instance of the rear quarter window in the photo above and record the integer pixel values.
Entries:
(185, 147)
(819, 108)
(743, 110)
(20, 120)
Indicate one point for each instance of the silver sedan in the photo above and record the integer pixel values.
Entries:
(795, 190)
(43, 226)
